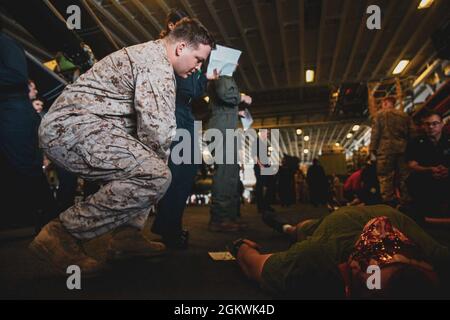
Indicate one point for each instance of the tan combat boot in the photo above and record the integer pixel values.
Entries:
(128, 242)
(55, 245)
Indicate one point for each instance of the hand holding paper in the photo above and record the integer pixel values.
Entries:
(247, 120)
(214, 76)
(246, 99)
(224, 60)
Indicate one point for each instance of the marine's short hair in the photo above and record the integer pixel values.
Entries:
(193, 32)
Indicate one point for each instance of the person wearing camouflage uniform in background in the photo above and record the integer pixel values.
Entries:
(391, 130)
(114, 125)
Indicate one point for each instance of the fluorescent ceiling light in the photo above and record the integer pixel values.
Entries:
(400, 66)
(309, 76)
(425, 4)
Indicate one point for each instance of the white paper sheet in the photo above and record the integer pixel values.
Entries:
(223, 256)
(247, 120)
(223, 59)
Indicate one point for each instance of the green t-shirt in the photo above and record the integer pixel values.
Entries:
(309, 268)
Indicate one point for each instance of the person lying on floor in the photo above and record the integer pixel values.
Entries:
(335, 256)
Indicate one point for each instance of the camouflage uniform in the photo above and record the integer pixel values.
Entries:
(114, 125)
(391, 130)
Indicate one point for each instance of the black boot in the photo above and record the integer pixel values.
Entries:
(177, 241)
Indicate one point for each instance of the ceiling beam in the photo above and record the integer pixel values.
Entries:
(414, 64)
(264, 119)
(163, 6)
(394, 40)
(344, 132)
(283, 41)
(276, 147)
(314, 105)
(301, 27)
(308, 156)
(55, 11)
(147, 14)
(296, 143)
(302, 154)
(379, 33)
(188, 8)
(15, 25)
(337, 49)
(28, 45)
(54, 75)
(249, 49)
(109, 35)
(348, 142)
(323, 139)
(366, 132)
(413, 37)
(355, 136)
(226, 38)
(313, 155)
(114, 21)
(12, 30)
(302, 151)
(332, 134)
(290, 143)
(263, 35)
(283, 144)
(286, 113)
(358, 136)
(343, 137)
(114, 39)
(362, 27)
(321, 35)
(124, 11)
